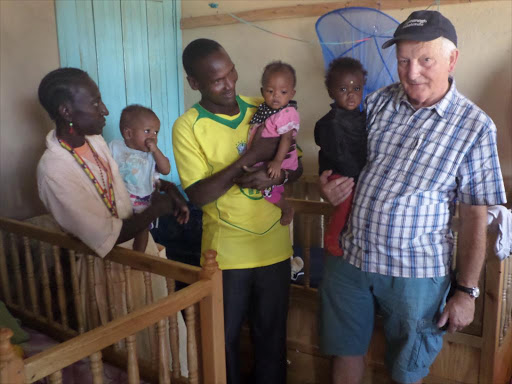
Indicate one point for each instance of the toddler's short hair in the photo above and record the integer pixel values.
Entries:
(344, 64)
(278, 66)
(130, 112)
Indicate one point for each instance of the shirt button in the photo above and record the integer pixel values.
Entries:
(399, 144)
(386, 172)
(367, 226)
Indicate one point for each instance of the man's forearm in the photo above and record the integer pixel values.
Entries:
(213, 187)
(471, 243)
(137, 223)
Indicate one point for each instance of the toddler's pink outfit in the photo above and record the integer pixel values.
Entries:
(277, 124)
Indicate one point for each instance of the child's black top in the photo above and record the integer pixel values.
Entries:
(342, 138)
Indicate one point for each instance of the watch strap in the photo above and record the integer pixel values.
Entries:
(471, 291)
(464, 289)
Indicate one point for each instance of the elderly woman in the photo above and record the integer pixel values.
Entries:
(80, 184)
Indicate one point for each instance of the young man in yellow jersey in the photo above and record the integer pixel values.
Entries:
(253, 248)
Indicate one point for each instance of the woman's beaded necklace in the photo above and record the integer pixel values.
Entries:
(107, 193)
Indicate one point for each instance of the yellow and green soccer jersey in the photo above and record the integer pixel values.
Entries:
(240, 225)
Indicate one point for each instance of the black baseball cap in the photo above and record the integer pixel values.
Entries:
(424, 26)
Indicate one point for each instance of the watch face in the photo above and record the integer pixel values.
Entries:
(476, 292)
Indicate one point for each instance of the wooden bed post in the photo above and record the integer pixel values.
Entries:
(212, 324)
(12, 370)
(493, 305)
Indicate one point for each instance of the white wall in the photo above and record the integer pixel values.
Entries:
(28, 50)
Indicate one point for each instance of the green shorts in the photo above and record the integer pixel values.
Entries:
(410, 308)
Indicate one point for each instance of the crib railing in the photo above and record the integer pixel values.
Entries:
(52, 295)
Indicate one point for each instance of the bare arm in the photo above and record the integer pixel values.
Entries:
(274, 166)
(460, 309)
(161, 204)
(207, 190)
(163, 165)
(257, 177)
(181, 211)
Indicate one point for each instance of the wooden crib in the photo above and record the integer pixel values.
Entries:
(49, 299)
(480, 354)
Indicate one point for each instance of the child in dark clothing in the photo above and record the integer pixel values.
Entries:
(342, 136)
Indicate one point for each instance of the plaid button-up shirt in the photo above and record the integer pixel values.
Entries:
(419, 162)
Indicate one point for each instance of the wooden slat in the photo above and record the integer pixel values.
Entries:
(503, 321)
(85, 38)
(128, 288)
(306, 10)
(490, 333)
(110, 289)
(212, 324)
(15, 258)
(159, 75)
(174, 340)
(30, 276)
(111, 297)
(163, 354)
(61, 293)
(77, 298)
(96, 368)
(463, 338)
(132, 364)
(66, 13)
(110, 58)
(307, 251)
(75, 30)
(11, 365)
(67, 353)
(6, 290)
(94, 320)
(151, 330)
(508, 304)
(135, 48)
(45, 282)
(192, 358)
(138, 260)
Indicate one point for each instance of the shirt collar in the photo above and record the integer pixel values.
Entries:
(440, 107)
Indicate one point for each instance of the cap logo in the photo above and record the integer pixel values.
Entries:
(414, 23)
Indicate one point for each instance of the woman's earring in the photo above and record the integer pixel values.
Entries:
(71, 130)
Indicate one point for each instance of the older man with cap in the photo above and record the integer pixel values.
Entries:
(428, 147)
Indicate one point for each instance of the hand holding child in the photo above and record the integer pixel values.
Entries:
(181, 211)
(163, 203)
(274, 169)
(335, 191)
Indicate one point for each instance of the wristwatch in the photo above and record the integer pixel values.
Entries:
(474, 292)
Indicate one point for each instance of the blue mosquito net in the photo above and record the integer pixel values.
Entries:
(362, 32)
